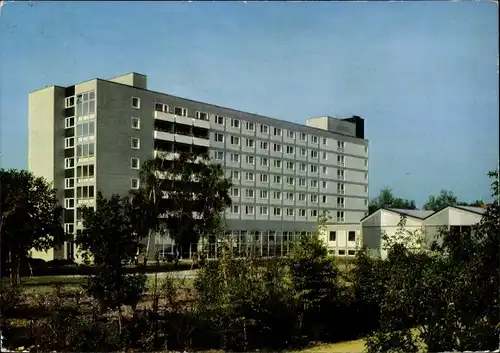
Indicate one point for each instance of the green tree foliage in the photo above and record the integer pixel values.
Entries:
(247, 303)
(188, 193)
(449, 296)
(386, 199)
(110, 239)
(31, 217)
(314, 278)
(444, 199)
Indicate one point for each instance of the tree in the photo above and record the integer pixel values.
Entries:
(444, 199)
(448, 296)
(186, 195)
(109, 237)
(386, 199)
(314, 279)
(31, 217)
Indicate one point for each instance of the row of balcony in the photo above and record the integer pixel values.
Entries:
(190, 140)
(185, 120)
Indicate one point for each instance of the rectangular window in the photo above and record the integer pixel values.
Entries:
(303, 167)
(333, 236)
(69, 102)
(366, 176)
(218, 137)
(235, 174)
(134, 183)
(235, 157)
(136, 123)
(314, 168)
(302, 182)
(324, 199)
(136, 102)
(290, 134)
(340, 202)
(366, 188)
(264, 161)
(277, 147)
(160, 107)
(235, 140)
(134, 163)
(219, 119)
(135, 143)
(277, 179)
(325, 170)
(314, 154)
(250, 159)
(263, 210)
(366, 149)
(351, 236)
(69, 163)
(250, 126)
(250, 143)
(219, 155)
(302, 212)
(235, 192)
(314, 139)
(314, 183)
(264, 178)
(249, 176)
(69, 122)
(277, 131)
(69, 183)
(289, 211)
(340, 217)
(290, 196)
(290, 165)
(180, 111)
(341, 160)
(277, 211)
(235, 123)
(340, 189)
(314, 213)
(325, 141)
(264, 145)
(235, 209)
(325, 156)
(69, 204)
(290, 150)
(264, 194)
(302, 197)
(314, 198)
(264, 129)
(202, 116)
(277, 163)
(303, 136)
(303, 152)
(366, 162)
(69, 142)
(290, 180)
(340, 145)
(249, 193)
(277, 195)
(340, 174)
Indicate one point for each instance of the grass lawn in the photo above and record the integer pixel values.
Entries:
(43, 284)
(341, 347)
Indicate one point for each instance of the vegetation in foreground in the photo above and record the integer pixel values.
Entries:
(442, 298)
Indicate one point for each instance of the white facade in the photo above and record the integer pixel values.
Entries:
(426, 224)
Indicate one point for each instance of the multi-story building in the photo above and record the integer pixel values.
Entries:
(93, 136)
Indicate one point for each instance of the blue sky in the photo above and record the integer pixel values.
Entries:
(424, 75)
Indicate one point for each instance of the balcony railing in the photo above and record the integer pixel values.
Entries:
(179, 119)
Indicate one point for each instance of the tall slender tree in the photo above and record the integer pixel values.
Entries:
(30, 217)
